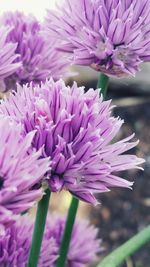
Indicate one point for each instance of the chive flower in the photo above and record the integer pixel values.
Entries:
(111, 36)
(76, 130)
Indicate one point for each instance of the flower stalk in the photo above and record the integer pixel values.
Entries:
(102, 83)
(39, 226)
(119, 255)
(68, 232)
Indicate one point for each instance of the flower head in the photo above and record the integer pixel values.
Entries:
(76, 129)
(39, 58)
(84, 245)
(111, 36)
(20, 171)
(15, 243)
(8, 56)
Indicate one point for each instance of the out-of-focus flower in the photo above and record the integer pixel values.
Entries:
(8, 56)
(111, 36)
(20, 171)
(84, 245)
(76, 129)
(15, 243)
(39, 58)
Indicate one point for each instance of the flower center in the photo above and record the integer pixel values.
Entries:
(101, 46)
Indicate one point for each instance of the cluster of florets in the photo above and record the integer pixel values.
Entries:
(111, 36)
(15, 243)
(8, 57)
(75, 130)
(21, 171)
(36, 57)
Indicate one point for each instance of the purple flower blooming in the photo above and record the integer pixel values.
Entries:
(39, 57)
(111, 36)
(84, 245)
(7, 54)
(76, 129)
(15, 243)
(20, 170)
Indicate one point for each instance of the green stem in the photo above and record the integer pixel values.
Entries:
(119, 255)
(67, 232)
(103, 84)
(39, 226)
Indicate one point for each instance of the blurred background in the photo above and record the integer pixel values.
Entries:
(38, 9)
(122, 212)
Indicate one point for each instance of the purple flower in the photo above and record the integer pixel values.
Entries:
(20, 170)
(38, 56)
(84, 245)
(7, 54)
(111, 36)
(15, 243)
(77, 130)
